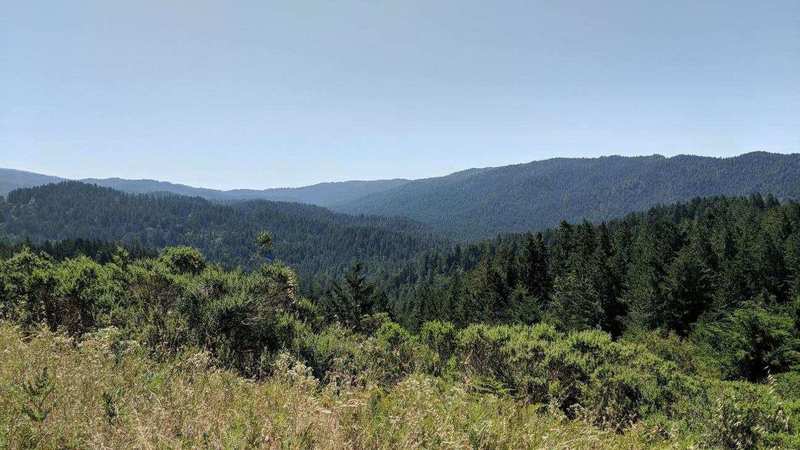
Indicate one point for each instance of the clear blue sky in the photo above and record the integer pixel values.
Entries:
(260, 94)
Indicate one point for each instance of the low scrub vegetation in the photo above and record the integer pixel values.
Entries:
(104, 392)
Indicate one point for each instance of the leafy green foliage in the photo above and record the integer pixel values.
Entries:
(264, 241)
(744, 415)
(753, 342)
(183, 260)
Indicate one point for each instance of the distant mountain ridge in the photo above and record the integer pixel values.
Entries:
(322, 194)
(479, 203)
(11, 179)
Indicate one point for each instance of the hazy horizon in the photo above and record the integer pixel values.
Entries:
(258, 95)
(107, 177)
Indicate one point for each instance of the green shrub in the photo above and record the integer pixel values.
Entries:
(752, 342)
(683, 352)
(787, 385)
(26, 286)
(85, 294)
(337, 355)
(583, 374)
(394, 353)
(743, 415)
(440, 338)
(507, 358)
(183, 260)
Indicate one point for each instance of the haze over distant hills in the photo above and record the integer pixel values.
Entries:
(11, 179)
(479, 203)
(322, 194)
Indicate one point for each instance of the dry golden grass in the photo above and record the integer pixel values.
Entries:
(112, 396)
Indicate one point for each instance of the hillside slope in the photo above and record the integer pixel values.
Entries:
(322, 194)
(314, 240)
(481, 203)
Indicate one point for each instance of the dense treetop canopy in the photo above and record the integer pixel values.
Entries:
(314, 240)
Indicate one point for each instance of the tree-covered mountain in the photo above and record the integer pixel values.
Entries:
(693, 269)
(322, 194)
(480, 203)
(314, 240)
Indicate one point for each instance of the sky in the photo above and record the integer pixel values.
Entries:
(257, 94)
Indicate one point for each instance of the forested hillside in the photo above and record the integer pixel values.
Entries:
(314, 240)
(518, 198)
(675, 328)
(674, 268)
(480, 203)
(322, 194)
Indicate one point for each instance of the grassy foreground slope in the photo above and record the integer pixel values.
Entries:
(105, 392)
(101, 399)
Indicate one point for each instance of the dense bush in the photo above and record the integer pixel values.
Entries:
(753, 342)
(582, 374)
(104, 392)
(439, 339)
(744, 415)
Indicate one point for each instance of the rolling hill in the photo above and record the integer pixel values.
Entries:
(322, 194)
(314, 240)
(480, 203)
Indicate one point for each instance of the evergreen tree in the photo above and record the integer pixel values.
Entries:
(536, 276)
(688, 291)
(576, 304)
(350, 303)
